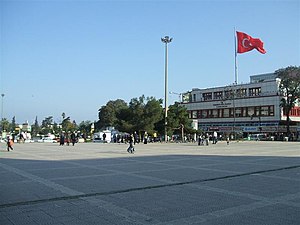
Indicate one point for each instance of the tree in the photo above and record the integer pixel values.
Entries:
(289, 88)
(35, 127)
(124, 120)
(178, 120)
(145, 113)
(13, 124)
(153, 113)
(67, 125)
(47, 125)
(107, 114)
(5, 124)
(85, 127)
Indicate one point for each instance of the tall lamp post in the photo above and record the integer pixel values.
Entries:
(166, 40)
(1, 125)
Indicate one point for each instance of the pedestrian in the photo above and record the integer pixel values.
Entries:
(145, 137)
(9, 144)
(67, 138)
(215, 137)
(135, 137)
(104, 137)
(73, 138)
(207, 139)
(227, 140)
(62, 139)
(130, 149)
(200, 141)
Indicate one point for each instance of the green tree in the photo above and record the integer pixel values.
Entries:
(290, 90)
(144, 114)
(67, 125)
(124, 120)
(13, 124)
(107, 114)
(47, 125)
(178, 120)
(35, 127)
(152, 114)
(85, 127)
(5, 125)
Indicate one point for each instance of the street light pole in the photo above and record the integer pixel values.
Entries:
(1, 125)
(166, 40)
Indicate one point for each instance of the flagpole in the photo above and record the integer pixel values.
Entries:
(235, 82)
(235, 60)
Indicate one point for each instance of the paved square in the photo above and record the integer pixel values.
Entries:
(176, 184)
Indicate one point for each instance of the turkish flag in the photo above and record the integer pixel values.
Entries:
(246, 43)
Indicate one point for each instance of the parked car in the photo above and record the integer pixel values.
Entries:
(47, 140)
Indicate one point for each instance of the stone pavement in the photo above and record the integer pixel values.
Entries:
(94, 183)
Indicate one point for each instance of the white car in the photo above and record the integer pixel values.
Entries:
(47, 140)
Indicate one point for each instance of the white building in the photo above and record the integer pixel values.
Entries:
(256, 105)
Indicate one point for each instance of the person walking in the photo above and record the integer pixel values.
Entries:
(145, 137)
(62, 139)
(199, 139)
(104, 137)
(9, 144)
(130, 149)
(215, 137)
(135, 137)
(67, 138)
(73, 138)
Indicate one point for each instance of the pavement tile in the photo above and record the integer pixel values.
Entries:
(186, 174)
(163, 204)
(257, 185)
(111, 183)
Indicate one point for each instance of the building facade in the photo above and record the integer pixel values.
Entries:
(242, 108)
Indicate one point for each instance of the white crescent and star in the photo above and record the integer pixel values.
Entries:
(246, 43)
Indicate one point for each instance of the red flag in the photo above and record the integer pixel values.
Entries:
(246, 43)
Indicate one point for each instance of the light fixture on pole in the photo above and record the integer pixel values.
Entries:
(166, 40)
(179, 95)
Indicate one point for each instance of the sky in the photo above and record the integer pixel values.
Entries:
(75, 56)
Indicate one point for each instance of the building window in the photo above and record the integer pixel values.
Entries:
(207, 96)
(194, 114)
(254, 91)
(204, 113)
(199, 113)
(194, 97)
(240, 93)
(225, 113)
(238, 112)
(218, 95)
(215, 113)
(271, 110)
(220, 113)
(250, 112)
(231, 113)
(228, 94)
(264, 111)
(257, 111)
(244, 112)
